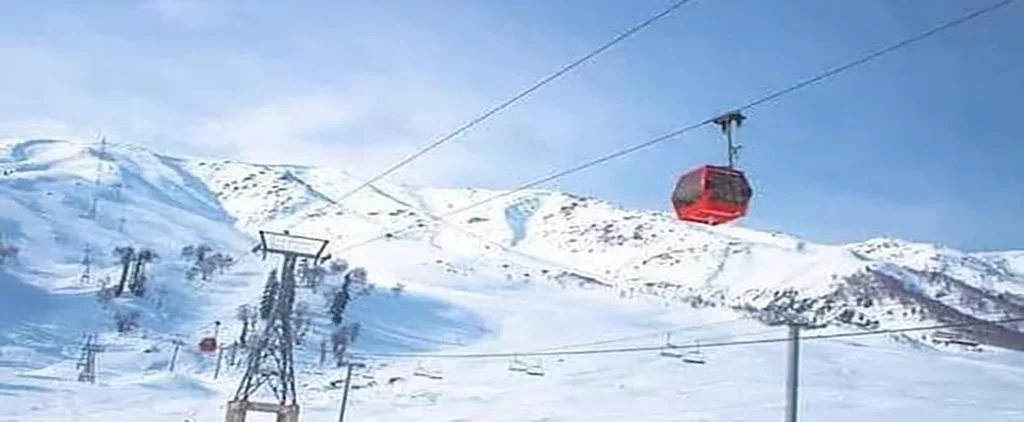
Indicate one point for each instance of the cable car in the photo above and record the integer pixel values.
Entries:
(712, 194)
(208, 345)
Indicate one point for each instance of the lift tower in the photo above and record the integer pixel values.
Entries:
(269, 363)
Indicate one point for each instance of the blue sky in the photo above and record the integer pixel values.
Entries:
(920, 145)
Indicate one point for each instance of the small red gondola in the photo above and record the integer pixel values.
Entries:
(208, 345)
(714, 194)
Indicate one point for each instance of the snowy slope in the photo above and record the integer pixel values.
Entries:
(992, 272)
(527, 271)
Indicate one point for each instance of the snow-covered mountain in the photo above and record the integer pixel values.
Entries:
(522, 271)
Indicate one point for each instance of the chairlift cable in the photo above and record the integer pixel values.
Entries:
(712, 345)
(676, 329)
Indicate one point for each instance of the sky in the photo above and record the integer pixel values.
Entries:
(920, 144)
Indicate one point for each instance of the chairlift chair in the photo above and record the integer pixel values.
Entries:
(694, 356)
(670, 349)
(420, 371)
(535, 370)
(516, 365)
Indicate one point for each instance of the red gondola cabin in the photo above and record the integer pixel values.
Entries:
(712, 195)
(208, 345)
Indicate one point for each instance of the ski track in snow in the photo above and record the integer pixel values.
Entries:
(463, 294)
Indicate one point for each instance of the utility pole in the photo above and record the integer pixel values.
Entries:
(323, 352)
(220, 353)
(792, 377)
(348, 383)
(231, 355)
(99, 175)
(174, 356)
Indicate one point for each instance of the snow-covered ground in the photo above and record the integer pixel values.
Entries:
(531, 271)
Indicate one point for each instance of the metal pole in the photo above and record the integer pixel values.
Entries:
(174, 357)
(220, 352)
(732, 149)
(792, 379)
(344, 396)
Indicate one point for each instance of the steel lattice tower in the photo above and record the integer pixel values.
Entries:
(270, 363)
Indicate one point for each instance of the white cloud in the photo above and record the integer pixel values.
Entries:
(354, 133)
(359, 103)
(279, 130)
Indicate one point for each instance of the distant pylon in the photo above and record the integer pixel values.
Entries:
(86, 277)
(94, 204)
(87, 360)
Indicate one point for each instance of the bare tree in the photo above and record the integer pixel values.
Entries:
(222, 261)
(358, 281)
(126, 254)
(301, 321)
(341, 338)
(205, 262)
(7, 251)
(338, 303)
(269, 295)
(126, 322)
(354, 285)
(138, 279)
(337, 266)
(302, 271)
(106, 293)
(339, 344)
(314, 276)
(159, 296)
(246, 315)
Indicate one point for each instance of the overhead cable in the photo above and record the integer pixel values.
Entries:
(680, 131)
(523, 94)
(712, 345)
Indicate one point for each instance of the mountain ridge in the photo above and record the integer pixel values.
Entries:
(497, 277)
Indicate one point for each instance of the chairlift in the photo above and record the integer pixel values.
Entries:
(516, 365)
(670, 349)
(950, 337)
(694, 356)
(420, 371)
(535, 370)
